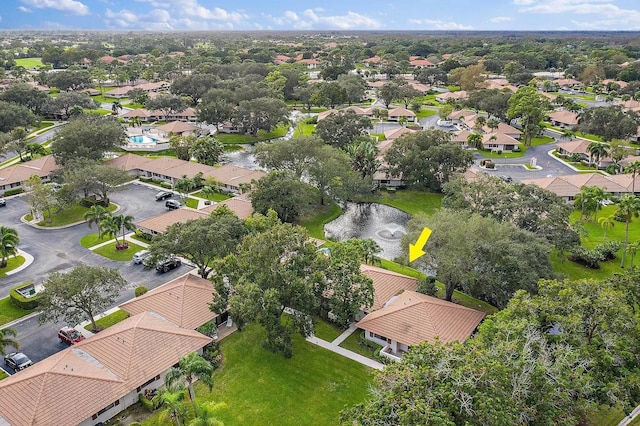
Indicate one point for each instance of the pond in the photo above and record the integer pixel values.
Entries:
(383, 224)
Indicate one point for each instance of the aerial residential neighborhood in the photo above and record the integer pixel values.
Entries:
(358, 214)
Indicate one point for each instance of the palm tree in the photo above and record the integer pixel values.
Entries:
(480, 123)
(628, 208)
(633, 168)
(115, 107)
(8, 244)
(95, 215)
(190, 368)
(75, 111)
(173, 399)
(125, 223)
(109, 226)
(209, 191)
(204, 414)
(371, 249)
(493, 123)
(606, 223)
(135, 122)
(7, 339)
(597, 150)
(34, 149)
(474, 140)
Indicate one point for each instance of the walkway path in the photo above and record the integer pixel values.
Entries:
(630, 417)
(28, 260)
(334, 346)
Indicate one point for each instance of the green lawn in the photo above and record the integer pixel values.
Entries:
(215, 197)
(12, 263)
(3, 375)
(606, 416)
(190, 202)
(381, 137)
(91, 240)
(9, 312)
(410, 201)
(352, 343)
(68, 216)
(109, 320)
(595, 236)
(109, 251)
(304, 129)
(540, 140)
(233, 138)
(260, 387)
(321, 215)
(326, 331)
(29, 63)
(425, 113)
(232, 148)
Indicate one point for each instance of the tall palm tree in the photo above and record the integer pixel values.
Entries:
(474, 140)
(7, 339)
(8, 244)
(173, 399)
(125, 223)
(633, 168)
(95, 215)
(110, 227)
(628, 208)
(115, 107)
(606, 223)
(34, 149)
(597, 150)
(493, 123)
(191, 367)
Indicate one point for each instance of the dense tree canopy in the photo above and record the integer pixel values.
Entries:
(14, 115)
(526, 106)
(341, 128)
(87, 137)
(426, 159)
(609, 122)
(260, 114)
(283, 193)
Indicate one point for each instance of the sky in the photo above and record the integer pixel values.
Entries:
(524, 15)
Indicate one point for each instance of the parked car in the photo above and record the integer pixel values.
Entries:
(140, 256)
(506, 178)
(3, 202)
(70, 335)
(17, 361)
(172, 204)
(163, 195)
(168, 264)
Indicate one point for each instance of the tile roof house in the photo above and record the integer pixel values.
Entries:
(563, 119)
(178, 128)
(575, 146)
(184, 301)
(460, 95)
(568, 186)
(421, 63)
(499, 142)
(13, 177)
(392, 134)
(396, 114)
(119, 92)
(400, 317)
(504, 128)
(240, 206)
(325, 114)
(158, 224)
(100, 376)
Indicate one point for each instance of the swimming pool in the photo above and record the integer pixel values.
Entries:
(142, 139)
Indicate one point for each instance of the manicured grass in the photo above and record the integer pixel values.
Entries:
(109, 251)
(425, 113)
(12, 263)
(9, 312)
(68, 216)
(410, 201)
(381, 137)
(352, 343)
(109, 320)
(29, 63)
(233, 148)
(134, 105)
(91, 240)
(233, 138)
(45, 124)
(99, 111)
(326, 331)
(261, 387)
(304, 129)
(322, 214)
(135, 237)
(3, 375)
(215, 197)
(190, 202)
(494, 154)
(607, 416)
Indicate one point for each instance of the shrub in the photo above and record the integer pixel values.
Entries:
(93, 201)
(499, 152)
(165, 185)
(212, 353)
(140, 290)
(209, 328)
(150, 404)
(427, 286)
(584, 256)
(13, 192)
(516, 149)
(145, 179)
(207, 203)
(312, 120)
(19, 301)
(608, 249)
(54, 90)
(143, 235)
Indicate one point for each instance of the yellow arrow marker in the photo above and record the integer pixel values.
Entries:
(415, 250)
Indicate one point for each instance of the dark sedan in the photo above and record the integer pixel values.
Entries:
(17, 361)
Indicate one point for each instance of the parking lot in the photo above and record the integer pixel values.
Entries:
(60, 249)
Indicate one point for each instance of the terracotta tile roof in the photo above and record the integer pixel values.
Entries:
(178, 127)
(376, 84)
(240, 206)
(595, 179)
(401, 112)
(503, 128)
(556, 185)
(421, 63)
(95, 372)
(161, 222)
(128, 162)
(569, 185)
(459, 95)
(21, 172)
(420, 87)
(325, 114)
(183, 301)
(461, 136)
(461, 114)
(576, 146)
(392, 134)
(139, 112)
(412, 318)
(387, 284)
(565, 117)
(119, 91)
(500, 139)
(234, 175)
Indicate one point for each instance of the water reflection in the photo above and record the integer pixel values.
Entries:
(383, 224)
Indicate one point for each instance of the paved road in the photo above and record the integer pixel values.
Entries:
(60, 249)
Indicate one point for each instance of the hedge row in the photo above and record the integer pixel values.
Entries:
(20, 301)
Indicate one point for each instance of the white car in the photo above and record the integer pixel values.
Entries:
(140, 256)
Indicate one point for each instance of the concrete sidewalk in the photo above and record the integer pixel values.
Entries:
(333, 347)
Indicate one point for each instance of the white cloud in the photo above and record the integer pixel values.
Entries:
(608, 15)
(499, 19)
(123, 18)
(311, 19)
(24, 9)
(440, 25)
(155, 3)
(192, 9)
(71, 6)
